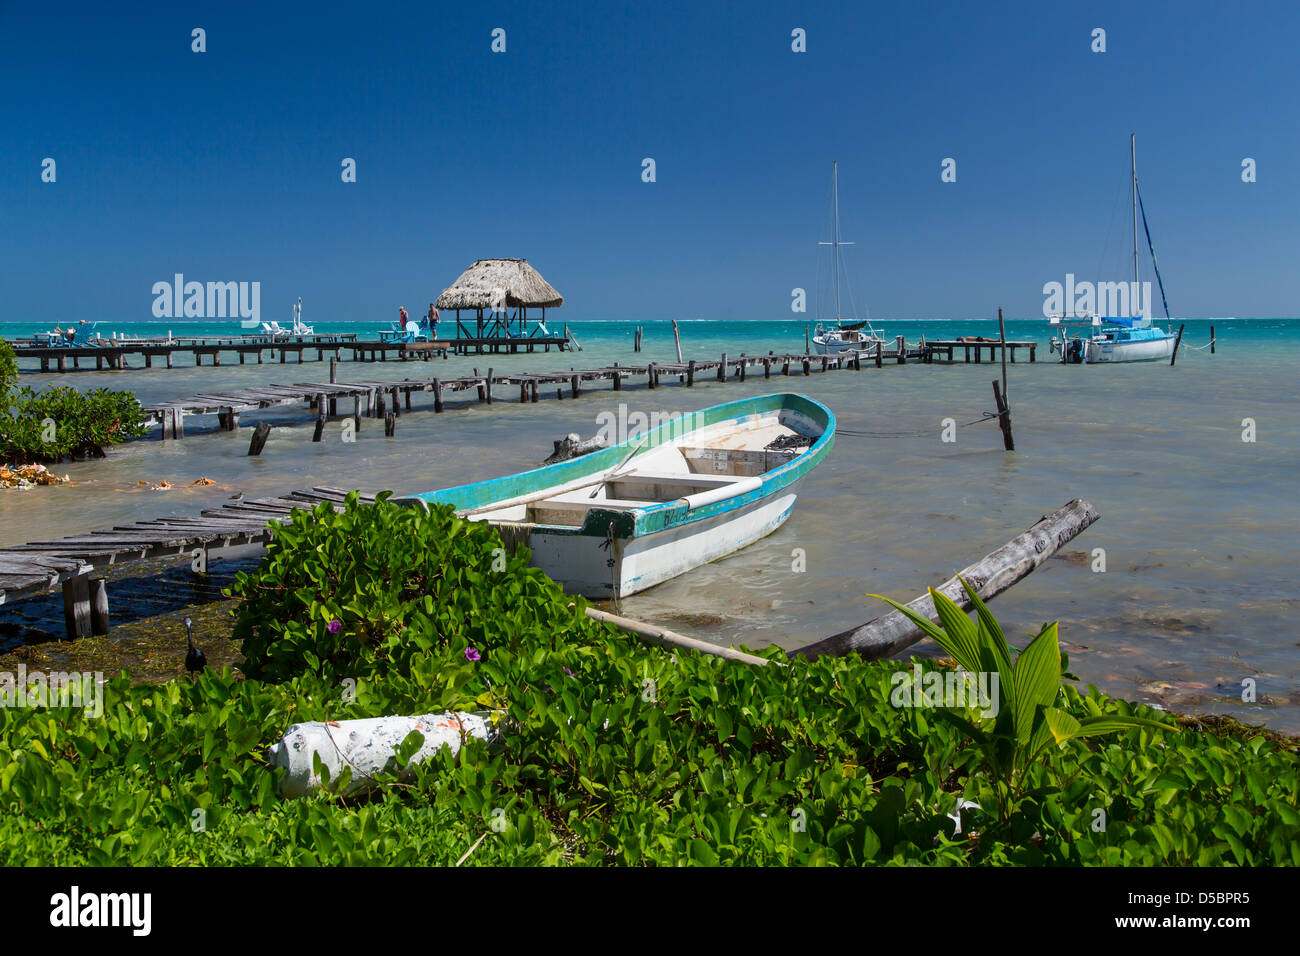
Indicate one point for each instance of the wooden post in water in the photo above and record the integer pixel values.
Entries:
(1173, 356)
(722, 368)
(260, 435)
(390, 425)
(1004, 417)
(98, 605)
(1002, 337)
(690, 373)
(437, 395)
(356, 413)
(1211, 340)
(320, 417)
(650, 376)
(573, 383)
(880, 355)
(334, 369)
(807, 345)
(902, 351)
(677, 339)
(76, 607)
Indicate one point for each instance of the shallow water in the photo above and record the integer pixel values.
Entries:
(1198, 526)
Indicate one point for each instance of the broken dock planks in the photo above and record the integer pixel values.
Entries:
(36, 567)
(373, 397)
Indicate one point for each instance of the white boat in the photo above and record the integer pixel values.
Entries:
(689, 491)
(829, 339)
(1123, 339)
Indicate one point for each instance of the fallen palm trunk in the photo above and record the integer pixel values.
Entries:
(367, 747)
(989, 576)
(653, 634)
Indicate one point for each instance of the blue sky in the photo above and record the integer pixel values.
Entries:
(225, 165)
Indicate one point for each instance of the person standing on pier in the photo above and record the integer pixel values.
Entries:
(432, 319)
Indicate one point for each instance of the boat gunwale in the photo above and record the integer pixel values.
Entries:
(637, 522)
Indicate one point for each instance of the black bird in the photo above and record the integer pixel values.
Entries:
(195, 659)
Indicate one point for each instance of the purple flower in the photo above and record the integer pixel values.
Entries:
(334, 626)
(472, 654)
(569, 672)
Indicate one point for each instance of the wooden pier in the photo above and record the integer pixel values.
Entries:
(948, 347)
(32, 569)
(381, 398)
(114, 354)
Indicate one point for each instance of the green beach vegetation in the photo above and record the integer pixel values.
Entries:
(60, 422)
(610, 751)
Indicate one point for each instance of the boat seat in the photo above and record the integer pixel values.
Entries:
(585, 504)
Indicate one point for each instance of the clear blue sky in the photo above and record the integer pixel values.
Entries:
(225, 165)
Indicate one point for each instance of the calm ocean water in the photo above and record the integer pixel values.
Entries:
(1198, 526)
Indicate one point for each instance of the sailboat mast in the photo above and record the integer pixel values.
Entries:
(1132, 156)
(835, 192)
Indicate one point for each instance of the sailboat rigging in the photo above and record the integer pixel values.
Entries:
(841, 337)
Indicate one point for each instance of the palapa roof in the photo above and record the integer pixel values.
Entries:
(480, 287)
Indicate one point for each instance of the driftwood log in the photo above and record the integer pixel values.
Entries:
(990, 576)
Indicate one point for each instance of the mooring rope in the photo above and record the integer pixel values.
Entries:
(927, 433)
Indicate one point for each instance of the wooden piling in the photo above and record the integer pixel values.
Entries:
(260, 435)
(437, 395)
(677, 339)
(1004, 417)
(390, 425)
(902, 351)
(1173, 356)
(334, 369)
(1211, 340)
(690, 373)
(650, 376)
(320, 417)
(722, 368)
(488, 386)
(98, 605)
(76, 607)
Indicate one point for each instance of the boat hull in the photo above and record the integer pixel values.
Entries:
(1147, 350)
(581, 563)
(686, 492)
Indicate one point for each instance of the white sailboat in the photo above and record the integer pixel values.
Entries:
(1123, 339)
(829, 339)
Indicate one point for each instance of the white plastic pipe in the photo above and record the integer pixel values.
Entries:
(367, 746)
(714, 495)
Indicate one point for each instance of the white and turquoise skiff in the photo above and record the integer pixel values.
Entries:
(689, 491)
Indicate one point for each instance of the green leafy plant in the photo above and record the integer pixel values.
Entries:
(8, 367)
(1028, 719)
(615, 753)
(362, 590)
(85, 423)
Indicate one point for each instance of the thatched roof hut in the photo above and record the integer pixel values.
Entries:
(480, 287)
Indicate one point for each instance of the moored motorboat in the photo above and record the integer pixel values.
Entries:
(686, 492)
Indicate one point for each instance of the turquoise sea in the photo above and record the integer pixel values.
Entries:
(1197, 601)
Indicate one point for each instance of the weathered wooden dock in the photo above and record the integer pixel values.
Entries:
(114, 354)
(380, 398)
(31, 569)
(946, 348)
